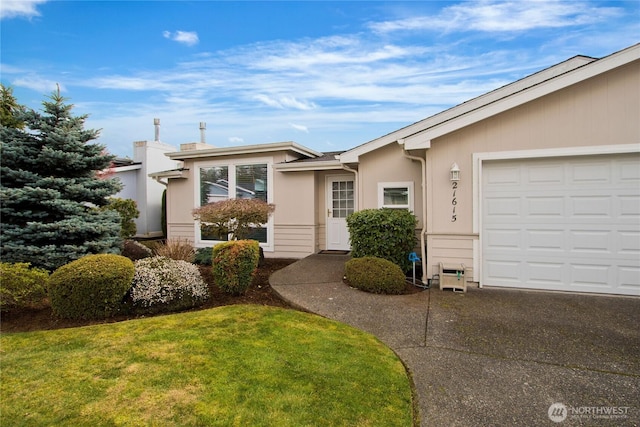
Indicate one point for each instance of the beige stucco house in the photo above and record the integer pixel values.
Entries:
(533, 185)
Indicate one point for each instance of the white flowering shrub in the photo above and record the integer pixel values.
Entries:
(163, 284)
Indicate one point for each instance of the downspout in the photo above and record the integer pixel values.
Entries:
(355, 173)
(423, 232)
(157, 179)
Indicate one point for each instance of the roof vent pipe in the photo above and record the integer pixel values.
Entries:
(156, 124)
(203, 129)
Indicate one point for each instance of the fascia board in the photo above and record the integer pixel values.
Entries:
(311, 166)
(180, 173)
(243, 150)
(118, 169)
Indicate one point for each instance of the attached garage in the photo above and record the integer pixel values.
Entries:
(562, 223)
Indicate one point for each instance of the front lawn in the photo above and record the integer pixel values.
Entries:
(240, 365)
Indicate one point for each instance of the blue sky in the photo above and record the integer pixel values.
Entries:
(328, 75)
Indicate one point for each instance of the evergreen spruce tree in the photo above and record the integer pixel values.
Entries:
(49, 188)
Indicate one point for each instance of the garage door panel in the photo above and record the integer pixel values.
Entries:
(591, 206)
(588, 241)
(503, 272)
(546, 174)
(503, 206)
(590, 172)
(563, 224)
(547, 240)
(629, 279)
(545, 207)
(629, 243)
(504, 239)
(544, 273)
(629, 207)
(590, 276)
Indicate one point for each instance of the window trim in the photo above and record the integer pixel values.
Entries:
(406, 184)
(268, 246)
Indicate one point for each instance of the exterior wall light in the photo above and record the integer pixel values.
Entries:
(454, 173)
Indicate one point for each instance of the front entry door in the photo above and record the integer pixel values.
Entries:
(340, 203)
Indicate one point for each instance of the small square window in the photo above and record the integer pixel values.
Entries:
(397, 195)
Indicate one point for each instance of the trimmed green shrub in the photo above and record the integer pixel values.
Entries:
(21, 286)
(91, 287)
(162, 284)
(234, 265)
(383, 233)
(204, 256)
(135, 250)
(376, 275)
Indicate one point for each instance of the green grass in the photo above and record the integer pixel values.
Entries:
(230, 366)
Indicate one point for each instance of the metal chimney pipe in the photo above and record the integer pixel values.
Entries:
(156, 124)
(203, 129)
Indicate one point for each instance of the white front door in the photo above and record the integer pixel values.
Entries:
(340, 203)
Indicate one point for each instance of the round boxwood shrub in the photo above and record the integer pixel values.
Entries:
(162, 284)
(376, 275)
(21, 286)
(91, 287)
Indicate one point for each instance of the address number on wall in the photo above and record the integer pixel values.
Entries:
(454, 201)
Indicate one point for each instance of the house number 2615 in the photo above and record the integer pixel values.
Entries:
(454, 202)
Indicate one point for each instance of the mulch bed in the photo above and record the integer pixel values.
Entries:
(260, 292)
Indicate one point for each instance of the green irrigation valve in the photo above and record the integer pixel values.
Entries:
(413, 257)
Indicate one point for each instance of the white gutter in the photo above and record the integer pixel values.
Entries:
(356, 177)
(423, 232)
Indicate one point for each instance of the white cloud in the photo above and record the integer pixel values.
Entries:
(236, 140)
(38, 84)
(190, 38)
(503, 16)
(19, 8)
(285, 102)
(301, 128)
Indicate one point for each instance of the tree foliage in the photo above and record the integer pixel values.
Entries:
(235, 217)
(49, 189)
(10, 110)
(128, 211)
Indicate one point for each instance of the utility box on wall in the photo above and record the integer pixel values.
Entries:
(452, 277)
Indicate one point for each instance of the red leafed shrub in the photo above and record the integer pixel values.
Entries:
(234, 216)
(234, 265)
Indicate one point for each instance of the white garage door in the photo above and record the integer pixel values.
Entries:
(570, 224)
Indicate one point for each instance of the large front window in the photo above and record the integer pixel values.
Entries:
(241, 181)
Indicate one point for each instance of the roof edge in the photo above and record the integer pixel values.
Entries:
(245, 149)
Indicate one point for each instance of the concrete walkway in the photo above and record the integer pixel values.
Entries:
(492, 356)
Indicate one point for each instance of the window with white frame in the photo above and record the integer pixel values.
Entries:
(395, 195)
(242, 180)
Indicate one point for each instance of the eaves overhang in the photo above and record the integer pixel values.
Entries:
(288, 146)
(308, 166)
(170, 174)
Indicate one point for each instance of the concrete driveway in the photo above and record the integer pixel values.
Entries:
(493, 357)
